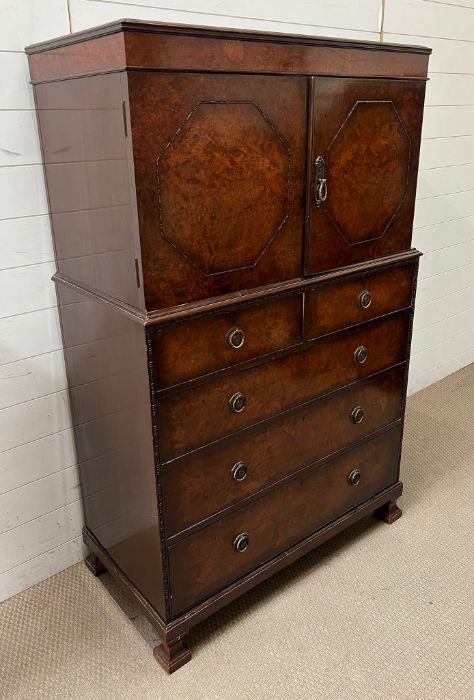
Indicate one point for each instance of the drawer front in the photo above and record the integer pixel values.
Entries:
(203, 483)
(202, 345)
(198, 416)
(335, 306)
(208, 560)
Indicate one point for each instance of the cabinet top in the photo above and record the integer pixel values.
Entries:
(133, 44)
(133, 25)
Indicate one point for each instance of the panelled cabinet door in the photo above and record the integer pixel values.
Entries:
(219, 170)
(365, 140)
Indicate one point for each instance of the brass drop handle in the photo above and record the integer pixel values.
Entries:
(320, 181)
(322, 189)
(241, 542)
(354, 477)
(235, 338)
(237, 402)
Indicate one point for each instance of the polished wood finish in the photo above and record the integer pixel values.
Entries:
(331, 307)
(104, 242)
(230, 301)
(180, 625)
(225, 165)
(206, 561)
(237, 356)
(107, 371)
(267, 327)
(172, 655)
(197, 416)
(86, 162)
(153, 45)
(276, 449)
(389, 512)
(368, 132)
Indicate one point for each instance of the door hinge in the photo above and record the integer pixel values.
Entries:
(124, 113)
(137, 272)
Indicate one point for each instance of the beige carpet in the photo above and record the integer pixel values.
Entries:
(380, 612)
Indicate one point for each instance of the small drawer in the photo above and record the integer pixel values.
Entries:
(343, 304)
(193, 348)
(217, 555)
(199, 415)
(215, 477)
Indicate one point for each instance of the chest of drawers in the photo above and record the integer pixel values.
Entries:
(232, 216)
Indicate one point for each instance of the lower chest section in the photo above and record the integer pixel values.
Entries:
(274, 420)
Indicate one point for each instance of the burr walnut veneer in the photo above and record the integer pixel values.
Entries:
(232, 215)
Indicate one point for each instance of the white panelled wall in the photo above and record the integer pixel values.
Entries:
(40, 507)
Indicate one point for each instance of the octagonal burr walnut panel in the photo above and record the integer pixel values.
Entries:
(369, 155)
(219, 171)
(368, 134)
(223, 179)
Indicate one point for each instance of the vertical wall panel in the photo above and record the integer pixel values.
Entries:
(444, 230)
(38, 530)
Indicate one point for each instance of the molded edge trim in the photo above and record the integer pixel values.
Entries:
(130, 25)
(236, 298)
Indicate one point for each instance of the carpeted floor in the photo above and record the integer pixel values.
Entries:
(380, 612)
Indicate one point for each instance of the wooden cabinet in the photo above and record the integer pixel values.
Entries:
(232, 214)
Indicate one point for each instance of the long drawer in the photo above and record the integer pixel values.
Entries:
(217, 555)
(203, 483)
(197, 416)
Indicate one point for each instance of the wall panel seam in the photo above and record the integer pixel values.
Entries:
(43, 554)
(38, 517)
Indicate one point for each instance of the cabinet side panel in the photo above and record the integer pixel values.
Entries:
(106, 360)
(85, 153)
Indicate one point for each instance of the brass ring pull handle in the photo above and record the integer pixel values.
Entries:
(354, 477)
(241, 542)
(239, 471)
(365, 299)
(357, 415)
(237, 402)
(360, 354)
(235, 338)
(320, 181)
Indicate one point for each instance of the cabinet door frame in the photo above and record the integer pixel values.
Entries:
(220, 178)
(339, 108)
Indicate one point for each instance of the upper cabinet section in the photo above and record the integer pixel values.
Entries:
(185, 163)
(219, 172)
(365, 143)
